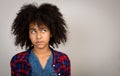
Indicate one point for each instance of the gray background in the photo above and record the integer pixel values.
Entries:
(94, 35)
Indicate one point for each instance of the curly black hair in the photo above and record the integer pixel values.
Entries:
(47, 14)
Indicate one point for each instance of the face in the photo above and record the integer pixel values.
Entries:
(39, 36)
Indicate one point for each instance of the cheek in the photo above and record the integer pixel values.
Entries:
(31, 37)
(47, 36)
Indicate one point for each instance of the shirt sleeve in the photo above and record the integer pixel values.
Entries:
(19, 67)
(13, 68)
(67, 63)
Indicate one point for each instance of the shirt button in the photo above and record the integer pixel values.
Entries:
(58, 74)
(53, 65)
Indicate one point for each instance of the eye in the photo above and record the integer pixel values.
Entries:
(44, 30)
(33, 31)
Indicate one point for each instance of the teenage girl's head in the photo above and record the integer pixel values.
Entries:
(45, 14)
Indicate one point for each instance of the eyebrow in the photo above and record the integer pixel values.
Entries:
(31, 28)
(42, 27)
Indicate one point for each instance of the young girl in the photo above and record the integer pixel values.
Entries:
(39, 29)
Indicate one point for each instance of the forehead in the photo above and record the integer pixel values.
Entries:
(35, 25)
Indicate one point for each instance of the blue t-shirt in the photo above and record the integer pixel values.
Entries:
(37, 69)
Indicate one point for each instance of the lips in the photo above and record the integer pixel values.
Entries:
(40, 42)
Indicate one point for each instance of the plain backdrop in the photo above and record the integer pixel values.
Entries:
(94, 35)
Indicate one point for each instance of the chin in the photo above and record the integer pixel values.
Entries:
(40, 47)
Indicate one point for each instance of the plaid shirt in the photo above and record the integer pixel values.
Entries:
(20, 65)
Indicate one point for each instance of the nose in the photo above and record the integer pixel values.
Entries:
(39, 35)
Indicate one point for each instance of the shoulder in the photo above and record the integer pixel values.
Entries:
(20, 56)
(62, 56)
(63, 61)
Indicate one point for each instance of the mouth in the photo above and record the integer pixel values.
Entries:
(40, 42)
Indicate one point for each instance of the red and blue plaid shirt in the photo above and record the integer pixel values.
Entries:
(20, 65)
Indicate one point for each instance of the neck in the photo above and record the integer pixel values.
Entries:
(41, 51)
